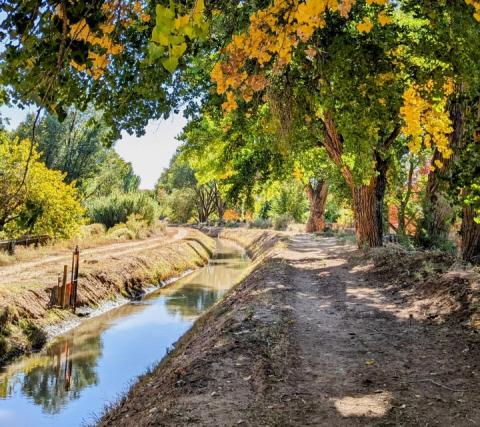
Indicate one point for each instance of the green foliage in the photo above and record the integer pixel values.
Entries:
(171, 33)
(36, 61)
(118, 207)
(290, 201)
(181, 205)
(33, 198)
(77, 147)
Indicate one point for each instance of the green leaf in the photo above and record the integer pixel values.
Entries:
(155, 51)
(179, 50)
(170, 63)
(164, 17)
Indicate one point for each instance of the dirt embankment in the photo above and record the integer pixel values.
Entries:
(315, 335)
(25, 309)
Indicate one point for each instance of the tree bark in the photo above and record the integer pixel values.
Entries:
(365, 210)
(205, 202)
(470, 233)
(317, 198)
(402, 209)
(368, 200)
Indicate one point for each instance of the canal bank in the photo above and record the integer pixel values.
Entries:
(82, 371)
(28, 319)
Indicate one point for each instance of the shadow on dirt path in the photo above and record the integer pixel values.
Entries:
(361, 360)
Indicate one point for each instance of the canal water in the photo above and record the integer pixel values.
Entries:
(76, 375)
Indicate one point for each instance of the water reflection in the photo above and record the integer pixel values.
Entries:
(82, 370)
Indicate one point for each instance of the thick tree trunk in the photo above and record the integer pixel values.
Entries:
(366, 210)
(470, 233)
(317, 198)
(368, 200)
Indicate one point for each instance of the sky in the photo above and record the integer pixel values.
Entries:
(149, 154)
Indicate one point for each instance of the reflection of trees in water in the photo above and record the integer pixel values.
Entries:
(60, 372)
(71, 369)
(197, 293)
(191, 301)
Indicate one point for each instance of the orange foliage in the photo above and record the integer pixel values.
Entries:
(231, 215)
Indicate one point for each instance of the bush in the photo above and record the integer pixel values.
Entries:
(121, 232)
(39, 202)
(93, 230)
(181, 205)
(282, 222)
(261, 223)
(118, 207)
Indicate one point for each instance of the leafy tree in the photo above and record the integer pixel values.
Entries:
(75, 146)
(34, 199)
(63, 54)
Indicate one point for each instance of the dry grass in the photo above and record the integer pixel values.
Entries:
(91, 236)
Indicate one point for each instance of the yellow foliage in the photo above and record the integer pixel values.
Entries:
(34, 200)
(231, 215)
(273, 34)
(427, 123)
(101, 43)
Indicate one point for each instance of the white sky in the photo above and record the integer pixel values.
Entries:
(149, 154)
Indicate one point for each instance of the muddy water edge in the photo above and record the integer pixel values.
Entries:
(85, 369)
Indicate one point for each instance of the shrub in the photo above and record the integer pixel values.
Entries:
(138, 226)
(121, 232)
(261, 223)
(116, 209)
(93, 230)
(39, 202)
(181, 205)
(282, 222)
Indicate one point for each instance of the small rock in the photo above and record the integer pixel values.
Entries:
(214, 393)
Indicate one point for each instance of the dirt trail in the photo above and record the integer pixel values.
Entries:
(311, 339)
(28, 270)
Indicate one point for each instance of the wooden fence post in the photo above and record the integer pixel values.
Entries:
(75, 268)
(64, 286)
(58, 296)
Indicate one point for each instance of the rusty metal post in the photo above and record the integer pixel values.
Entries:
(64, 286)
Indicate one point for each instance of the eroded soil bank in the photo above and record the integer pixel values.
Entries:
(26, 314)
(318, 335)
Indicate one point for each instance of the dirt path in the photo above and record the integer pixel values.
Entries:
(28, 270)
(311, 339)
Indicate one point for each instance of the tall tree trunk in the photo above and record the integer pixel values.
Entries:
(470, 233)
(368, 200)
(317, 198)
(402, 209)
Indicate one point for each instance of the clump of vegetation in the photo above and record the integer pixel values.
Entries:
(282, 222)
(117, 208)
(93, 230)
(262, 223)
